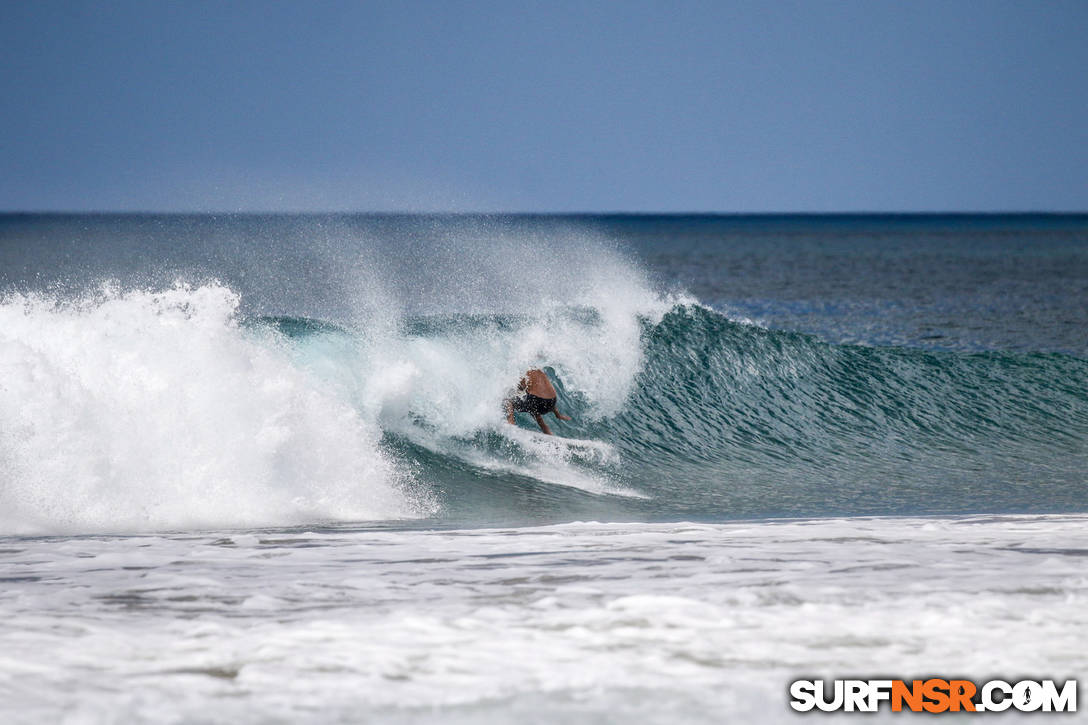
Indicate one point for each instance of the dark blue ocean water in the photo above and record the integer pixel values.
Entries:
(729, 366)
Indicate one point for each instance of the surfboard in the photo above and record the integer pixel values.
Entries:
(556, 444)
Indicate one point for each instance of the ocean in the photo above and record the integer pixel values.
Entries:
(255, 468)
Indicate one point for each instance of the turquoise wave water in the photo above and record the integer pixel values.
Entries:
(732, 420)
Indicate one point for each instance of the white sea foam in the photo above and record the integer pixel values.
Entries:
(146, 410)
(583, 622)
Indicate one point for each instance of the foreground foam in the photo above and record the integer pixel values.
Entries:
(580, 622)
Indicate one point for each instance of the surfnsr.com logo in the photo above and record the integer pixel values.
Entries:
(933, 695)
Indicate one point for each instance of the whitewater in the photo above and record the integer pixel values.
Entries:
(256, 468)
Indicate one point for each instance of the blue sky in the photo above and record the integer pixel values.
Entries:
(544, 106)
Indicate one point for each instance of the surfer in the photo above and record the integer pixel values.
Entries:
(539, 399)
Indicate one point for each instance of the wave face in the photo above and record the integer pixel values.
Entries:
(724, 419)
(764, 422)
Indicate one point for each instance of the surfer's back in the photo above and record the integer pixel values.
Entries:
(535, 382)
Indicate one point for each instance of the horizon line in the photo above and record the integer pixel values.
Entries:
(581, 213)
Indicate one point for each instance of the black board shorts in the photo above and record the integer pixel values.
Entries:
(529, 403)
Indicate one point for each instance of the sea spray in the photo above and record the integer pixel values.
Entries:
(482, 315)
